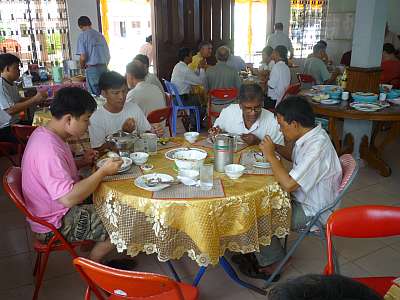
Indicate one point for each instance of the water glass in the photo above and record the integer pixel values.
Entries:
(150, 141)
(206, 177)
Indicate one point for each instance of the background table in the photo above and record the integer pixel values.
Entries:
(360, 131)
(253, 210)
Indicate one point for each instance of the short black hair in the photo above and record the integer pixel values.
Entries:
(389, 48)
(296, 108)
(7, 60)
(327, 287)
(111, 80)
(84, 21)
(204, 43)
(149, 39)
(136, 70)
(268, 50)
(74, 101)
(282, 51)
(318, 47)
(143, 59)
(250, 92)
(278, 26)
(184, 52)
(322, 42)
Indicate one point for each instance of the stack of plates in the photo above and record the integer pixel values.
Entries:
(361, 97)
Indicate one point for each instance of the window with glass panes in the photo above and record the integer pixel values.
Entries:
(307, 25)
(35, 30)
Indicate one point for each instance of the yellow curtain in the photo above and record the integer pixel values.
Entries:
(104, 19)
(249, 24)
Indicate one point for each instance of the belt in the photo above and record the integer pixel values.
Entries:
(97, 65)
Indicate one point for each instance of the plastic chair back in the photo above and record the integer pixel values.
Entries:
(368, 221)
(126, 284)
(305, 78)
(224, 94)
(292, 89)
(6, 149)
(22, 132)
(13, 187)
(173, 90)
(159, 115)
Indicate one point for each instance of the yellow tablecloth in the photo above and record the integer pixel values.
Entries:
(253, 210)
(42, 117)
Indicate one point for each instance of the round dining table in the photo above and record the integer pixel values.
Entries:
(365, 134)
(237, 215)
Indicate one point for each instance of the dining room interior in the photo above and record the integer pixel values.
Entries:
(199, 149)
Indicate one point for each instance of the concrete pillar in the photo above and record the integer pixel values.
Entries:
(369, 31)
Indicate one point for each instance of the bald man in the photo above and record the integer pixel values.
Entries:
(221, 75)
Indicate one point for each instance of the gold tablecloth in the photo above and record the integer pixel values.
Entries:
(253, 210)
(77, 145)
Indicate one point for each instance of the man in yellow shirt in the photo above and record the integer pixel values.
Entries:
(205, 51)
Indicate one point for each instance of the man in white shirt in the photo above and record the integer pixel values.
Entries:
(184, 78)
(248, 118)
(313, 181)
(11, 104)
(146, 95)
(279, 78)
(278, 38)
(116, 114)
(143, 60)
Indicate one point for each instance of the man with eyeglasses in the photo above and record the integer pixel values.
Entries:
(248, 118)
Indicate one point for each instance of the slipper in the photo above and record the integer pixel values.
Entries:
(247, 258)
(251, 271)
(122, 264)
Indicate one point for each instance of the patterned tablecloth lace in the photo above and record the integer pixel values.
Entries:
(252, 210)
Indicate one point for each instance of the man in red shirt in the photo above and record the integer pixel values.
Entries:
(390, 66)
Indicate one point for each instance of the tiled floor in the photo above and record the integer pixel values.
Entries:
(357, 257)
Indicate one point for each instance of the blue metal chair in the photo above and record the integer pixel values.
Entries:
(315, 227)
(177, 105)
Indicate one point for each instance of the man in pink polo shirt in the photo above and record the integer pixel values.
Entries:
(50, 180)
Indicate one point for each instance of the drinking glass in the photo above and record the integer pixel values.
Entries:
(150, 140)
(206, 177)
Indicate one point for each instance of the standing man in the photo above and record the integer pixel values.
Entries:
(94, 54)
(279, 38)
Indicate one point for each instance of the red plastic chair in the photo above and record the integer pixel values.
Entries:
(161, 115)
(306, 78)
(219, 97)
(6, 149)
(369, 221)
(12, 187)
(130, 285)
(22, 134)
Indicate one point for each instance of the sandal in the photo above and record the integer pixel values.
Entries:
(252, 271)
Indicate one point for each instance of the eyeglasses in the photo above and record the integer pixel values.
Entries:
(251, 109)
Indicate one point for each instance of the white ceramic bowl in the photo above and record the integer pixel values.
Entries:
(234, 171)
(139, 158)
(191, 136)
(190, 159)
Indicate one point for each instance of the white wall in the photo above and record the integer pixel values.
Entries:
(394, 16)
(77, 8)
(282, 14)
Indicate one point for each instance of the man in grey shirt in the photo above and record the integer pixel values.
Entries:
(94, 54)
(279, 38)
(221, 75)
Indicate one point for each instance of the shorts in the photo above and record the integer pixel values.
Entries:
(80, 223)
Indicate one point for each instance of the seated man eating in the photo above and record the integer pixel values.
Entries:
(50, 180)
(117, 114)
(248, 118)
(313, 181)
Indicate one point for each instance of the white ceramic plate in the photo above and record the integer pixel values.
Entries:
(394, 101)
(171, 153)
(367, 107)
(124, 167)
(330, 101)
(140, 181)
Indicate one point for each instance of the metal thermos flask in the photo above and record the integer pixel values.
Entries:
(223, 151)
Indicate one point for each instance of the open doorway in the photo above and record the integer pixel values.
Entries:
(125, 25)
(250, 29)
